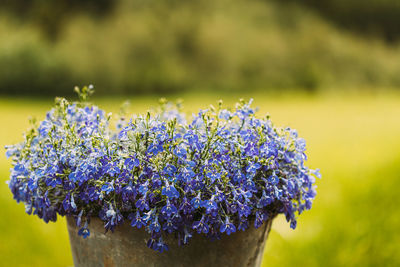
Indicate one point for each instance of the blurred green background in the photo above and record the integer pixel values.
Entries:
(330, 69)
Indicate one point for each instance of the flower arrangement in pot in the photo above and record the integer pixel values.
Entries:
(200, 191)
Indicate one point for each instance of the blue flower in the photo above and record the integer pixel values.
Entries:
(196, 202)
(185, 207)
(293, 224)
(264, 200)
(244, 210)
(69, 203)
(169, 209)
(53, 181)
(84, 232)
(154, 225)
(73, 176)
(317, 173)
(227, 227)
(136, 220)
(128, 193)
(142, 203)
(170, 226)
(210, 205)
(225, 114)
(201, 226)
(155, 149)
(251, 169)
(243, 225)
(152, 243)
(170, 191)
(187, 172)
(180, 151)
(260, 218)
(161, 246)
(107, 188)
(213, 176)
(273, 179)
(170, 170)
(132, 162)
(143, 188)
(11, 151)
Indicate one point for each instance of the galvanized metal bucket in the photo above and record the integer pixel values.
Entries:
(127, 247)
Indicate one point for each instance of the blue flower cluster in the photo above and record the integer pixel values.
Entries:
(216, 174)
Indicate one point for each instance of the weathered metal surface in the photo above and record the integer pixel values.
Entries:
(127, 247)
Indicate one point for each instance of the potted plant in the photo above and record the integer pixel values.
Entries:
(202, 191)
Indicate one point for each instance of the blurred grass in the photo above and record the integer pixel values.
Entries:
(354, 139)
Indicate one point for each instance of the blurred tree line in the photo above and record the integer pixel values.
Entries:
(375, 17)
(166, 46)
(50, 16)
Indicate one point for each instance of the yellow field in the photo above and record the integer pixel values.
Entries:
(354, 140)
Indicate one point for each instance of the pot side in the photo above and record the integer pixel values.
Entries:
(127, 247)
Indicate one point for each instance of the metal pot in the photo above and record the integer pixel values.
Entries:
(127, 247)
